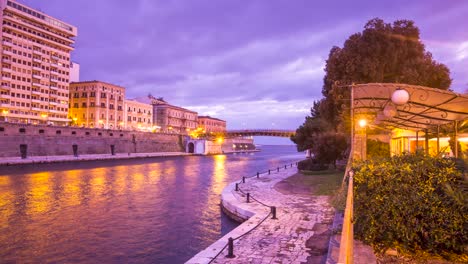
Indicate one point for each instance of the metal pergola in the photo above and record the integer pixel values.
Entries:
(427, 108)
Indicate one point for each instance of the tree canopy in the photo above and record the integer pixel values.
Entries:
(382, 52)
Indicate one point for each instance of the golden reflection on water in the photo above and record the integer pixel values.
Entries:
(6, 202)
(40, 192)
(219, 173)
(72, 186)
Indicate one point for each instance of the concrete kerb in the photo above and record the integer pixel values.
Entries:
(235, 204)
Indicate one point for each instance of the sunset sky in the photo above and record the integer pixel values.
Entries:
(256, 64)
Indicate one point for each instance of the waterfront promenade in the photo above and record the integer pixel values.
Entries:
(6, 161)
(303, 221)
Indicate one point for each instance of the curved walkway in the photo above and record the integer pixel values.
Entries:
(283, 240)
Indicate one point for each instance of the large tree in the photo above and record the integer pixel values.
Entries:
(382, 52)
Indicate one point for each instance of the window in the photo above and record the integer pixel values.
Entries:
(83, 105)
(2, 129)
(87, 133)
(73, 132)
(58, 132)
(22, 130)
(99, 134)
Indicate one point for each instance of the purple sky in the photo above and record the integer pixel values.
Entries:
(256, 64)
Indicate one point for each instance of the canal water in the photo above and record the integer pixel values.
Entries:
(161, 210)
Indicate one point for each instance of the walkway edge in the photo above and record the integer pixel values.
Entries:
(252, 213)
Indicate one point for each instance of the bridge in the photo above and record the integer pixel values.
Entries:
(260, 132)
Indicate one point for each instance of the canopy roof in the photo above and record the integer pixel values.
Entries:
(426, 108)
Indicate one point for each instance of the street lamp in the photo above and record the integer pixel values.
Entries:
(400, 96)
(5, 114)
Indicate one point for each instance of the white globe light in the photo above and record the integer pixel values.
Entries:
(390, 110)
(400, 97)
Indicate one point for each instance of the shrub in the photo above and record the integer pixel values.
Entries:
(311, 164)
(377, 149)
(413, 202)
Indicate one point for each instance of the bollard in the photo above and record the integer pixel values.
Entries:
(273, 212)
(277, 169)
(268, 172)
(243, 179)
(285, 166)
(230, 248)
(248, 197)
(291, 165)
(258, 175)
(237, 187)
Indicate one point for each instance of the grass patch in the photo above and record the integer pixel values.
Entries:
(325, 182)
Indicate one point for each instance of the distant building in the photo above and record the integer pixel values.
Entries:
(97, 104)
(211, 124)
(138, 116)
(35, 65)
(74, 72)
(171, 118)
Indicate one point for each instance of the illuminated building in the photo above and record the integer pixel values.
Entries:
(211, 124)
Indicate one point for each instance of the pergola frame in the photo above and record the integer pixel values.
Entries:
(427, 108)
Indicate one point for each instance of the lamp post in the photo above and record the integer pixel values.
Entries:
(363, 126)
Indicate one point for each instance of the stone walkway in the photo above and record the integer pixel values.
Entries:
(85, 157)
(300, 218)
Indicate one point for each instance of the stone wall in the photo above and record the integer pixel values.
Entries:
(58, 140)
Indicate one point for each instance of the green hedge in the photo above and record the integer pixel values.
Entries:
(412, 202)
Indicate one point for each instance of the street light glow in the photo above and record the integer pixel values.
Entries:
(362, 123)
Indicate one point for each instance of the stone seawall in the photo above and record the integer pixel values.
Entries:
(54, 140)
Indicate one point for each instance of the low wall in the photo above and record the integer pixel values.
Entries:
(58, 140)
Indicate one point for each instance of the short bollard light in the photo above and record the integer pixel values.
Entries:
(230, 248)
(258, 175)
(291, 165)
(243, 179)
(277, 169)
(237, 187)
(268, 172)
(273, 212)
(285, 166)
(248, 197)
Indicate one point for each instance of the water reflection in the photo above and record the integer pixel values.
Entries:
(152, 210)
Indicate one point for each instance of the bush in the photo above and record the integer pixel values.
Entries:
(413, 202)
(377, 149)
(311, 164)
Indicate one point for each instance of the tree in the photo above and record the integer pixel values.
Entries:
(382, 52)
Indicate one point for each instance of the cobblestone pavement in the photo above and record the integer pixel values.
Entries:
(282, 240)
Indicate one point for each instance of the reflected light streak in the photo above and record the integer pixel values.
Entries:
(39, 194)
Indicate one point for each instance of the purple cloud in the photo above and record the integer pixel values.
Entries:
(256, 63)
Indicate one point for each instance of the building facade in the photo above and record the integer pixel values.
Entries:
(138, 116)
(97, 104)
(74, 72)
(211, 124)
(35, 65)
(173, 119)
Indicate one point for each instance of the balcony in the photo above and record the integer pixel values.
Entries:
(37, 68)
(36, 84)
(4, 78)
(36, 101)
(54, 57)
(53, 111)
(53, 103)
(5, 105)
(7, 43)
(54, 72)
(36, 109)
(5, 96)
(7, 52)
(53, 87)
(55, 80)
(37, 76)
(37, 52)
(8, 61)
(5, 87)
(4, 69)
(53, 95)
(37, 60)
(36, 92)
(54, 64)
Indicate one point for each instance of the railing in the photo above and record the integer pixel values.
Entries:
(347, 233)
(230, 243)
